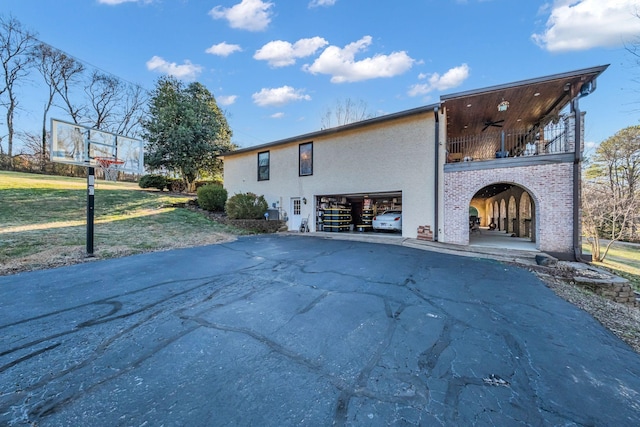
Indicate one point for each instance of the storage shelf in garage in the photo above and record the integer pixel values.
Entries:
(336, 219)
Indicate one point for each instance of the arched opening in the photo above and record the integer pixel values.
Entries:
(512, 216)
(507, 217)
(526, 217)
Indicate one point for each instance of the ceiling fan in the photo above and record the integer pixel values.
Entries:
(496, 123)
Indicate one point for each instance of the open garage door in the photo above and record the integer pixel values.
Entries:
(354, 212)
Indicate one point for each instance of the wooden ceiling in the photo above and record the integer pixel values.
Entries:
(530, 102)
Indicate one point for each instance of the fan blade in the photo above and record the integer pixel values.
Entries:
(493, 123)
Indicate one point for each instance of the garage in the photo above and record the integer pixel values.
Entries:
(354, 212)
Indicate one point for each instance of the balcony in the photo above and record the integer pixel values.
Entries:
(493, 145)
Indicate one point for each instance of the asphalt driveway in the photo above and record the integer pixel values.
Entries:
(296, 330)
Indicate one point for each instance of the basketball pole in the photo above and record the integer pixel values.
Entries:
(74, 144)
(90, 209)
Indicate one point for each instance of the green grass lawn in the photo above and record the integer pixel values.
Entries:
(623, 260)
(43, 221)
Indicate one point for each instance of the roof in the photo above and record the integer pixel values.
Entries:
(468, 113)
(337, 129)
(530, 102)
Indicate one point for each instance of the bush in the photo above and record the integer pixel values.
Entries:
(212, 197)
(202, 182)
(153, 181)
(246, 206)
(176, 185)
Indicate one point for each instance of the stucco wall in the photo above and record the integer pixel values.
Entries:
(396, 155)
(550, 186)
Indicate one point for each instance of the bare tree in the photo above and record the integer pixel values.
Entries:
(54, 66)
(71, 73)
(104, 93)
(131, 112)
(345, 111)
(15, 47)
(114, 105)
(606, 216)
(32, 150)
(610, 193)
(634, 48)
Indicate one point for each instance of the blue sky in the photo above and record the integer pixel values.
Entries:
(277, 66)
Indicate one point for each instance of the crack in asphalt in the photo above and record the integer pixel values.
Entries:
(65, 356)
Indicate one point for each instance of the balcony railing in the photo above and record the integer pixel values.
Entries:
(553, 139)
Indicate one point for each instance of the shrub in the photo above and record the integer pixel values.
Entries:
(202, 182)
(212, 197)
(246, 206)
(176, 185)
(153, 181)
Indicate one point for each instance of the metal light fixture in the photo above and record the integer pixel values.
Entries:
(304, 200)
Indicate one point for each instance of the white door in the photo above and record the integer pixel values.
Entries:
(296, 215)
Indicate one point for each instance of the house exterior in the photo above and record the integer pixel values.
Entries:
(507, 151)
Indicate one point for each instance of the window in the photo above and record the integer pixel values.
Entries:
(296, 206)
(306, 159)
(263, 166)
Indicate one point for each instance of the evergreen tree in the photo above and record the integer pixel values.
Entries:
(185, 130)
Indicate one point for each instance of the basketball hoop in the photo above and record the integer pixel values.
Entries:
(109, 166)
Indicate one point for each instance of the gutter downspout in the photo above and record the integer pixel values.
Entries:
(437, 175)
(577, 159)
(585, 90)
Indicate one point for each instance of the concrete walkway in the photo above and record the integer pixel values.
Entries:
(294, 330)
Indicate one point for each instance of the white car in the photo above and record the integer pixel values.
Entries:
(390, 220)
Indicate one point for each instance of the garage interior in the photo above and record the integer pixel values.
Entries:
(353, 212)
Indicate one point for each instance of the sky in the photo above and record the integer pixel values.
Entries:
(277, 66)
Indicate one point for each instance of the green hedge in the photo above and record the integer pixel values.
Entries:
(212, 197)
(153, 181)
(202, 182)
(246, 206)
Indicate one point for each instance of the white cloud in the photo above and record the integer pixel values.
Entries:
(226, 99)
(279, 96)
(186, 71)
(281, 53)
(318, 3)
(252, 15)
(452, 78)
(585, 24)
(342, 66)
(223, 49)
(277, 116)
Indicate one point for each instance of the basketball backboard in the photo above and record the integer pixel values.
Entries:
(79, 145)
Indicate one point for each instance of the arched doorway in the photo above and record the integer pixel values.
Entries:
(473, 211)
(509, 217)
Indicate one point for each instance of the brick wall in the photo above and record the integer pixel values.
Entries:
(549, 185)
